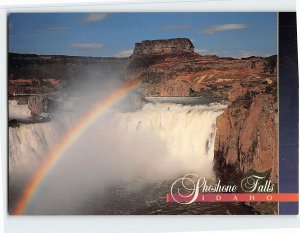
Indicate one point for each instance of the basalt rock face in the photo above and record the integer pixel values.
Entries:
(247, 138)
(247, 131)
(158, 47)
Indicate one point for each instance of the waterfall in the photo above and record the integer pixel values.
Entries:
(28, 145)
(188, 132)
(17, 111)
(184, 134)
(156, 143)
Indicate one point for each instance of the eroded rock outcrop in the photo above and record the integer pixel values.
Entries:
(247, 137)
(37, 104)
(158, 47)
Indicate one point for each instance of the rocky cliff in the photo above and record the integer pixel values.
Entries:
(247, 138)
(247, 131)
(157, 47)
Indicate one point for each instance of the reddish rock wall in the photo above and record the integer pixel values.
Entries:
(247, 137)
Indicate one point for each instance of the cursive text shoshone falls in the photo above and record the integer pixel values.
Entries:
(190, 186)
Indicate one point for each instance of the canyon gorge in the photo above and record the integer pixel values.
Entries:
(239, 125)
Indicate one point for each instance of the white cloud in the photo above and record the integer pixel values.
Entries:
(125, 53)
(94, 17)
(176, 27)
(55, 29)
(86, 46)
(224, 27)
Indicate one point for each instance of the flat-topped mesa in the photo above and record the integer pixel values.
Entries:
(158, 47)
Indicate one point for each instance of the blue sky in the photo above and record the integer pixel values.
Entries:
(114, 34)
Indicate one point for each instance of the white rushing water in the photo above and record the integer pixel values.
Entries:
(158, 142)
(187, 131)
(17, 111)
(28, 145)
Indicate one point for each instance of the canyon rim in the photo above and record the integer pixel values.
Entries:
(110, 134)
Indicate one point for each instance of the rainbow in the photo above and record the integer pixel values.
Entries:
(54, 156)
